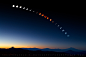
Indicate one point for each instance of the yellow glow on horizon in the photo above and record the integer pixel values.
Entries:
(6, 46)
(31, 46)
(24, 47)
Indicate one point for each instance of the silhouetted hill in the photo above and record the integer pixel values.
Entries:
(71, 52)
(24, 52)
(56, 50)
(73, 49)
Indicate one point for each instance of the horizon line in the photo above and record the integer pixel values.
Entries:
(39, 48)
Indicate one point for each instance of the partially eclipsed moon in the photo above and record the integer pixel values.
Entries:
(39, 13)
(50, 19)
(45, 16)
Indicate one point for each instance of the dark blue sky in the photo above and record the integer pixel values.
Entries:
(21, 28)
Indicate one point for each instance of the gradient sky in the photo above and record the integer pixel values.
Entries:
(21, 28)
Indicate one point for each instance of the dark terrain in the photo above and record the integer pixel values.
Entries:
(22, 52)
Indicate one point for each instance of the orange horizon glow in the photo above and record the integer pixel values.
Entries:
(31, 47)
(25, 47)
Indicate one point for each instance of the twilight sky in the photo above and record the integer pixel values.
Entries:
(21, 28)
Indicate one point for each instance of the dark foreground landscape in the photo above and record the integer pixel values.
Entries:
(23, 52)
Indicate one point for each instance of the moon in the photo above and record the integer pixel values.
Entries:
(60, 27)
(17, 6)
(65, 32)
(68, 35)
(62, 30)
(27, 9)
(23, 7)
(13, 5)
(20, 7)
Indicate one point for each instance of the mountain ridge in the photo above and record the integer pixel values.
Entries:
(56, 50)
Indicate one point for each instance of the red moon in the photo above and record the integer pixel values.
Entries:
(50, 19)
(45, 16)
(42, 14)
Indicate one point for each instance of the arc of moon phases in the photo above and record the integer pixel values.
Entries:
(41, 15)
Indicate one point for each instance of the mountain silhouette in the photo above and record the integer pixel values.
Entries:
(73, 49)
(56, 50)
(71, 52)
(36, 51)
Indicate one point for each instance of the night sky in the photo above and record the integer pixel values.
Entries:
(25, 29)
